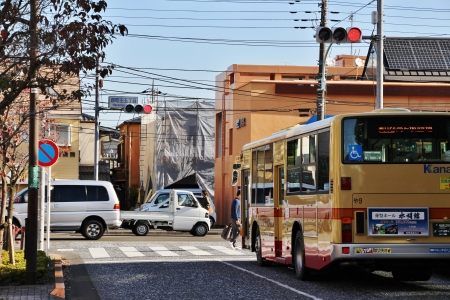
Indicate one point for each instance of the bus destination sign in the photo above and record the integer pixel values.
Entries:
(405, 129)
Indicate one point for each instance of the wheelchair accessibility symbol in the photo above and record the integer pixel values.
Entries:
(355, 152)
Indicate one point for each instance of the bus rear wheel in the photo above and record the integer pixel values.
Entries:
(301, 271)
(259, 259)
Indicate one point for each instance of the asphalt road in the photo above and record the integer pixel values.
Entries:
(168, 266)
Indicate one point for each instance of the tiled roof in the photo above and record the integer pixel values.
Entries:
(417, 59)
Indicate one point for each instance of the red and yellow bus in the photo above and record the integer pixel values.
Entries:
(368, 189)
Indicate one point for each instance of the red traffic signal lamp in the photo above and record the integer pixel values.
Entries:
(138, 108)
(338, 35)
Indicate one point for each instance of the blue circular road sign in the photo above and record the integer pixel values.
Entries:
(48, 153)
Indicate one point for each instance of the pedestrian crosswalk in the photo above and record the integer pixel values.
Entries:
(158, 251)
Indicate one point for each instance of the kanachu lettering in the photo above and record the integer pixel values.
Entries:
(429, 168)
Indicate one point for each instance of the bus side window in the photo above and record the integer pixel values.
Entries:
(445, 151)
(324, 161)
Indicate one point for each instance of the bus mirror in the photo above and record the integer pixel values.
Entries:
(235, 178)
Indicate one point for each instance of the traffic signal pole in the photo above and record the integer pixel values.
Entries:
(97, 121)
(321, 76)
(380, 50)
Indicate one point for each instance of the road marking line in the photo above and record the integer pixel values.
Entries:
(195, 250)
(164, 260)
(98, 252)
(163, 251)
(226, 250)
(131, 251)
(273, 281)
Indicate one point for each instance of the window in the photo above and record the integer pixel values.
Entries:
(308, 169)
(403, 139)
(62, 134)
(262, 175)
(186, 200)
(323, 165)
(293, 180)
(161, 198)
(308, 180)
(97, 193)
(68, 193)
(309, 149)
(293, 153)
(230, 142)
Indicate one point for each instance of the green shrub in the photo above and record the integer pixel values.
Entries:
(16, 274)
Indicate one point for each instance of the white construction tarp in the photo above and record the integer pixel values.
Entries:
(184, 145)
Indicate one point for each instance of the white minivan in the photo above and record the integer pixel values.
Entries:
(87, 206)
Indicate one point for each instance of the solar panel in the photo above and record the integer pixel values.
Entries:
(417, 54)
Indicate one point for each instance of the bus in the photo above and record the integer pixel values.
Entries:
(365, 189)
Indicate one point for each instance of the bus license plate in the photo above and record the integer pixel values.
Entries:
(372, 250)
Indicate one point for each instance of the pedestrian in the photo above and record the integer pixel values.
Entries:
(235, 219)
(207, 203)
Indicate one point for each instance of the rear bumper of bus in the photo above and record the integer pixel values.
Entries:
(389, 251)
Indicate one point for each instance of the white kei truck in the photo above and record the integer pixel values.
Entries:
(185, 214)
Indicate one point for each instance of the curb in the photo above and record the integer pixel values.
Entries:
(60, 290)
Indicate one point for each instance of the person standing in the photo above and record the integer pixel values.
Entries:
(207, 201)
(235, 219)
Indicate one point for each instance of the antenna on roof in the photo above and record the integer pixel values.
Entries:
(359, 62)
(330, 62)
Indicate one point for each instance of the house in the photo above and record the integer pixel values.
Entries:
(126, 176)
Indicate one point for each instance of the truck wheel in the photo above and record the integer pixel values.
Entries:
(211, 221)
(140, 229)
(92, 229)
(200, 229)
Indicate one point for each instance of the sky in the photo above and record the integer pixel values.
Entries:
(177, 47)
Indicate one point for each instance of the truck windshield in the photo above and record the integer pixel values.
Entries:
(399, 139)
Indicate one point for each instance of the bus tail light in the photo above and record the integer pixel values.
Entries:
(346, 230)
(346, 183)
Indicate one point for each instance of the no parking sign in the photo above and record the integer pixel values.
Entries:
(48, 153)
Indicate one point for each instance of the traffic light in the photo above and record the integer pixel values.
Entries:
(339, 35)
(138, 108)
(323, 35)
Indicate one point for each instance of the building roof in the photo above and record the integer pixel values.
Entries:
(416, 59)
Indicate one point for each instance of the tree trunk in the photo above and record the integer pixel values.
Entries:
(11, 239)
(3, 210)
(12, 235)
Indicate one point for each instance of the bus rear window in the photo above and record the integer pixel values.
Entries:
(400, 139)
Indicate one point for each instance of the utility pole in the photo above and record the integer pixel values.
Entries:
(380, 50)
(97, 123)
(33, 171)
(321, 78)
